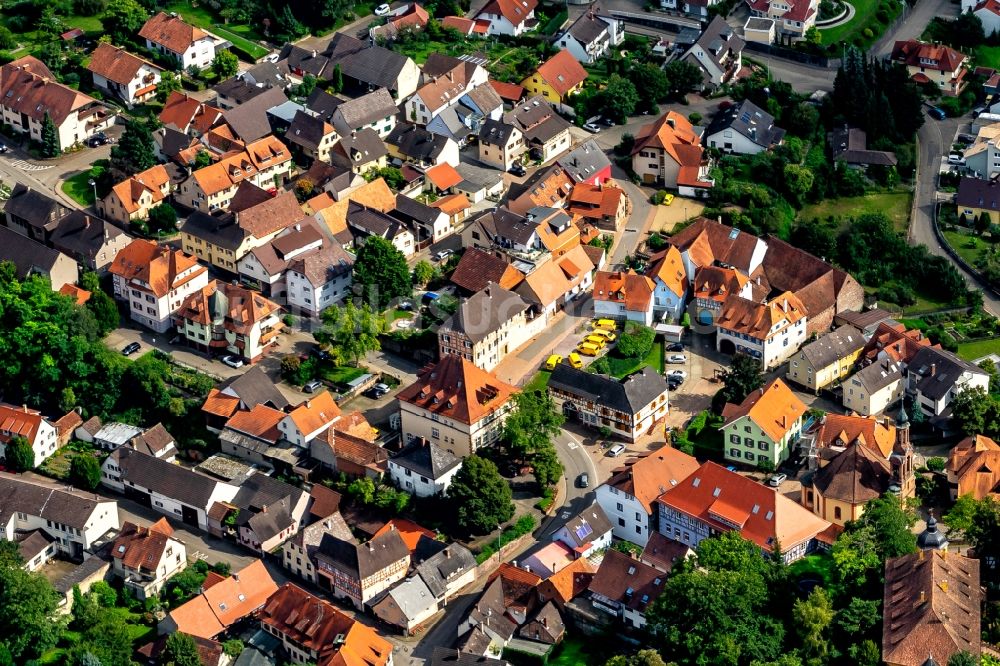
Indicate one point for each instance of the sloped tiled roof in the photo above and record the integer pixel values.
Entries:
(841, 430)
(974, 465)
(854, 476)
(158, 266)
(773, 408)
(914, 53)
(759, 320)
(140, 548)
(515, 11)
(226, 602)
(562, 72)
(28, 87)
(476, 269)
(171, 32)
(455, 388)
(116, 64)
(633, 291)
(628, 581)
(650, 475)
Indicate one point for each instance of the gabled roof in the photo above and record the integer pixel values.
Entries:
(249, 120)
(974, 465)
(628, 581)
(226, 602)
(267, 506)
(229, 306)
(773, 408)
(158, 475)
(842, 430)
(515, 11)
(650, 475)
(537, 120)
(749, 120)
(855, 476)
(708, 241)
(633, 291)
(116, 64)
(509, 92)
(588, 28)
(556, 278)
(141, 548)
(261, 154)
(562, 72)
(366, 109)
(667, 266)
(914, 53)
(171, 32)
(936, 372)
(893, 341)
(253, 388)
(34, 207)
(719, 38)
(834, 346)
(443, 176)
(441, 569)
(584, 161)
(477, 269)
(314, 413)
(70, 507)
(931, 606)
(426, 459)
(368, 559)
(28, 87)
(759, 320)
(569, 582)
(455, 388)
(727, 501)
(484, 313)
(630, 395)
(673, 133)
(663, 553)
(158, 266)
(151, 181)
(184, 112)
(416, 142)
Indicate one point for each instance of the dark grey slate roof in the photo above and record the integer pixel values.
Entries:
(589, 524)
(938, 371)
(587, 28)
(39, 210)
(254, 388)
(537, 120)
(174, 481)
(366, 559)
(978, 193)
(584, 161)
(219, 228)
(273, 74)
(416, 142)
(238, 90)
(477, 177)
(412, 211)
(249, 120)
(717, 38)
(495, 132)
(835, 345)
(372, 222)
(851, 145)
(361, 147)
(266, 505)
(505, 224)
(374, 66)
(878, 375)
(69, 507)
(483, 313)
(627, 396)
(306, 130)
(322, 103)
(368, 108)
(749, 120)
(82, 235)
(451, 563)
(30, 257)
(426, 459)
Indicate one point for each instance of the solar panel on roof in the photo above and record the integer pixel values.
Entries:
(745, 117)
(584, 530)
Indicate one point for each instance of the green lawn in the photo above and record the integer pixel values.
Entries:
(978, 349)
(967, 246)
(244, 37)
(78, 187)
(813, 566)
(342, 374)
(252, 49)
(621, 367)
(573, 652)
(896, 205)
(987, 56)
(864, 17)
(538, 382)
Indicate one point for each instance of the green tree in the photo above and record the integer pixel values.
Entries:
(984, 535)
(337, 79)
(85, 471)
(392, 176)
(123, 19)
(742, 378)
(651, 84)
(423, 271)
(480, 498)
(636, 341)
(352, 330)
(380, 273)
(812, 617)
(50, 137)
(169, 82)
(7, 39)
(892, 526)
(962, 514)
(798, 182)
(813, 36)
(233, 647)
(19, 454)
(641, 658)
(962, 658)
(163, 217)
(983, 223)
(974, 412)
(815, 238)
(619, 98)
(528, 433)
(180, 650)
(102, 306)
(28, 622)
(362, 490)
(683, 76)
(201, 160)
(225, 64)
(307, 86)
(135, 150)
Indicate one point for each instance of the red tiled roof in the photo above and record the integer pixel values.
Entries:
(509, 92)
(562, 72)
(171, 32)
(515, 11)
(455, 388)
(116, 64)
(914, 53)
(773, 408)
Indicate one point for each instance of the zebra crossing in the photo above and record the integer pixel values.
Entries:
(24, 165)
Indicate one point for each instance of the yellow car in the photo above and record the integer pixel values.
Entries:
(575, 360)
(596, 340)
(553, 361)
(588, 349)
(604, 333)
(606, 324)
(667, 200)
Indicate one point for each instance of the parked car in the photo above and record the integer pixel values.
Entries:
(312, 387)
(678, 374)
(936, 113)
(956, 158)
(3, 148)
(673, 383)
(574, 360)
(583, 481)
(592, 127)
(616, 450)
(319, 353)
(669, 199)
(604, 333)
(405, 306)
(232, 361)
(607, 122)
(442, 255)
(777, 479)
(382, 10)
(517, 169)
(675, 347)
(131, 348)
(677, 358)
(377, 391)
(553, 361)
(98, 139)
(588, 349)
(606, 324)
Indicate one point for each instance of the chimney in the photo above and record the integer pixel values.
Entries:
(314, 53)
(447, 553)
(545, 621)
(371, 549)
(933, 369)
(923, 597)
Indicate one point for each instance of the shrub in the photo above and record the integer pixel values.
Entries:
(936, 464)
(636, 341)
(867, 32)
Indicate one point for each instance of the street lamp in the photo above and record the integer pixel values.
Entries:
(93, 184)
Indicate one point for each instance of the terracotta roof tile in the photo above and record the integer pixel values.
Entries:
(153, 180)
(974, 465)
(443, 176)
(509, 92)
(476, 269)
(220, 404)
(159, 266)
(653, 474)
(773, 408)
(315, 413)
(455, 388)
(171, 32)
(569, 582)
(261, 422)
(515, 11)
(226, 602)
(840, 430)
(562, 72)
(116, 64)
(633, 291)
(759, 320)
(410, 531)
(141, 548)
(28, 87)
(79, 296)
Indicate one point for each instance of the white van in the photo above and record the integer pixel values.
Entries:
(616, 450)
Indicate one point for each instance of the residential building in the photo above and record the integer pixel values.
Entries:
(228, 318)
(314, 631)
(364, 222)
(974, 468)
(170, 35)
(556, 79)
(29, 92)
(874, 387)
(627, 296)
(429, 223)
(267, 512)
(349, 448)
(663, 552)
(630, 407)
(316, 280)
(932, 63)
(628, 498)
(300, 550)
(90, 240)
(145, 557)
(931, 607)
(70, 522)
(360, 151)
(891, 341)
(850, 146)
(833, 433)
(222, 602)
(567, 584)
(508, 17)
(604, 206)
(446, 80)
(586, 533)
(313, 135)
(240, 393)
(709, 243)
(408, 19)
(792, 18)
(591, 36)
(546, 133)
(359, 573)
(189, 116)
(485, 328)
(40, 433)
(477, 269)
(670, 291)
(455, 404)
(363, 66)
(166, 488)
(133, 198)
(263, 163)
(128, 77)
(771, 332)
(310, 419)
(764, 427)
(507, 602)
(625, 588)
(154, 280)
(32, 258)
(223, 238)
(668, 151)
(826, 360)
(718, 53)
(414, 144)
(556, 281)
(714, 500)
(988, 12)
(265, 267)
(977, 197)
(376, 110)
(547, 190)
(423, 468)
(33, 214)
(744, 129)
(500, 144)
(586, 164)
(935, 376)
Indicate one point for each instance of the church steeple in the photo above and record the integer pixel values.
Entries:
(902, 455)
